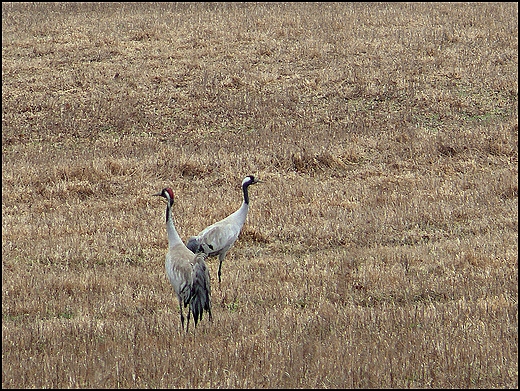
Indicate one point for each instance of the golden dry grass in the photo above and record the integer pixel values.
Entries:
(381, 251)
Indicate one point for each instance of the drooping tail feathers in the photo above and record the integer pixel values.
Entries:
(200, 290)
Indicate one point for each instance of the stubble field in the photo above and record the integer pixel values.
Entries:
(380, 251)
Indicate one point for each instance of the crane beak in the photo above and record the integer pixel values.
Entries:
(160, 195)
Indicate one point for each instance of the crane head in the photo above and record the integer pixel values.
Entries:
(166, 193)
(250, 180)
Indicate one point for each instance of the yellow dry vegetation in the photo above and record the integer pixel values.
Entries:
(381, 251)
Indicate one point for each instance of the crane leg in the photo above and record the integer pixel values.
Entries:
(221, 258)
(182, 315)
(188, 324)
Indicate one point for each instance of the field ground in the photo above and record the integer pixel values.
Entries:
(380, 251)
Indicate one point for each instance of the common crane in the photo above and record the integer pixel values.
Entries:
(186, 271)
(218, 238)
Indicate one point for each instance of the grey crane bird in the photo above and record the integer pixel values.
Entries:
(186, 271)
(218, 238)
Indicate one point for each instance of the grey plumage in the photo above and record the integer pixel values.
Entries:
(218, 238)
(186, 271)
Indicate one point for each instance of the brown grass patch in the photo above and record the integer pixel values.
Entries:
(380, 251)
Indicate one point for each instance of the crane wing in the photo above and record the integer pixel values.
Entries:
(179, 271)
(218, 237)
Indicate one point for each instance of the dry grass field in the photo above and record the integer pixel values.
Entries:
(380, 251)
